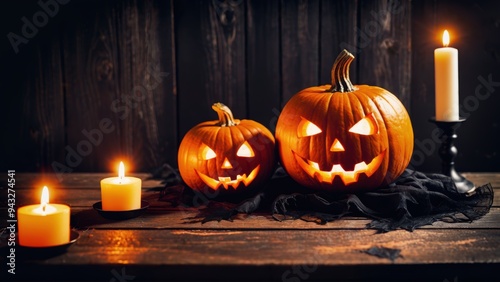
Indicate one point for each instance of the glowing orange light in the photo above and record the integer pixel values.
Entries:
(366, 126)
(44, 200)
(207, 153)
(307, 128)
(226, 164)
(245, 151)
(337, 146)
(121, 171)
(446, 38)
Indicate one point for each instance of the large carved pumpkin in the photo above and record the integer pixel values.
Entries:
(226, 155)
(344, 137)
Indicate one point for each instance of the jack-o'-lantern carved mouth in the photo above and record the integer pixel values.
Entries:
(226, 181)
(348, 177)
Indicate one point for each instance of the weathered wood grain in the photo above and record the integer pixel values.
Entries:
(263, 71)
(146, 83)
(384, 48)
(76, 180)
(299, 46)
(92, 78)
(91, 180)
(180, 254)
(82, 191)
(96, 53)
(170, 241)
(39, 137)
(211, 59)
(338, 26)
(120, 87)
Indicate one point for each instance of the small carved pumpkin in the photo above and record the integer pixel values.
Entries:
(226, 155)
(344, 137)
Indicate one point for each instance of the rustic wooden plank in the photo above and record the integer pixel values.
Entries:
(161, 215)
(90, 180)
(32, 100)
(145, 253)
(146, 83)
(425, 39)
(158, 218)
(210, 50)
(339, 20)
(94, 97)
(481, 178)
(40, 139)
(120, 85)
(299, 46)
(76, 180)
(263, 61)
(384, 48)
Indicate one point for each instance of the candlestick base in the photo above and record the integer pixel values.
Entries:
(448, 152)
(121, 215)
(47, 251)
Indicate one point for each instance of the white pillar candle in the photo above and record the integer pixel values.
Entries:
(446, 79)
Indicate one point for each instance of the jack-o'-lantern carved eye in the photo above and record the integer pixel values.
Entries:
(307, 128)
(245, 150)
(366, 126)
(207, 153)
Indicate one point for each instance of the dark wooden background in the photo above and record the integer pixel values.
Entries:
(137, 75)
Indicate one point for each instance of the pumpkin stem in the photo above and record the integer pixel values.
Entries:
(340, 73)
(225, 115)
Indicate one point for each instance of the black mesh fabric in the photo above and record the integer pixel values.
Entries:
(415, 199)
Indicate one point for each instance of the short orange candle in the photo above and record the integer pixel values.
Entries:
(121, 193)
(44, 225)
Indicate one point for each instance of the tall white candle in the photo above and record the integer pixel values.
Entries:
(446, 79)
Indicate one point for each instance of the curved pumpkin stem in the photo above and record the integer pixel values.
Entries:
(340, 73)
(225, 115)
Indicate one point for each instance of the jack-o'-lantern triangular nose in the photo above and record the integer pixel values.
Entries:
(337, 146)
(226, 164)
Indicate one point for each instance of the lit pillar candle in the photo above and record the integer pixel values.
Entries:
(121, 193)
(446, 79)
(44, 225)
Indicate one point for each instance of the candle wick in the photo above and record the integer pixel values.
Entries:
(43, 207)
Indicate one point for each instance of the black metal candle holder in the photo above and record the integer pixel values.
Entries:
(448, 152)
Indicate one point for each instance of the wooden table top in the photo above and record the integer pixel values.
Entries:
(165, 243)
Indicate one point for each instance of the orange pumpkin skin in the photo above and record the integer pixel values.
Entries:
(360, 139)
(226, 156)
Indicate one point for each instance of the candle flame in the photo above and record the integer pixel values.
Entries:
(446, 38)
(121, 171)
(44, 200)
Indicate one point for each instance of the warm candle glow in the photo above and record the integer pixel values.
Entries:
(44, 224)
(44, 207)
(446, 81)
(121, 171)
(446, 38)
(44, 200)
(121, 193)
